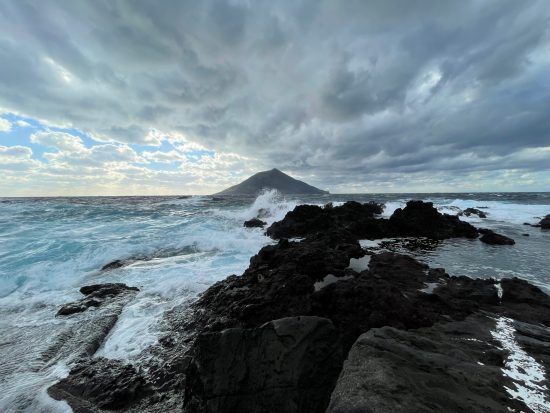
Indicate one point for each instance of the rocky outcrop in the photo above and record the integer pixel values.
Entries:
(254, 223)
(450, 367)
(421, 219)
(354, 217)
(473, 211)
(545, 222)
(97, 295)
(490, 237)
(417, 219)
(273, 338)
(100, 384)
(286, 366)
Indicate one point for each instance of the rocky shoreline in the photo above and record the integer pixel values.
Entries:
(317, 323)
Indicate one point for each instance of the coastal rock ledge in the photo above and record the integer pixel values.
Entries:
(318, 324)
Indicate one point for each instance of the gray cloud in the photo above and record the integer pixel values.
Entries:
(336, 91)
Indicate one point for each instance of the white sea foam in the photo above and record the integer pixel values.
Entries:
(526, 373)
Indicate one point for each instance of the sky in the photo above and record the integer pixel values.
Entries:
(106, 97)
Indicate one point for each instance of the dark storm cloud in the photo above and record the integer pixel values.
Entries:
(335, 89)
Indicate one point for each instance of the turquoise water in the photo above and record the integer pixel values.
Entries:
(49, 247)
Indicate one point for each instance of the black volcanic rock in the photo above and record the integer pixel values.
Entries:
(417, 219)
(96, 295)
(273, 179)
(545, 222)
(473, 211)
(421, 219)
(490, 237)
(353, 216)
(288, 365)
(102, 383)
(254, 223)
(450, 367)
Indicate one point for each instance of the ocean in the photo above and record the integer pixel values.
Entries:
(50, 247)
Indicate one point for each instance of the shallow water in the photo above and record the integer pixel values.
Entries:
(49, 247)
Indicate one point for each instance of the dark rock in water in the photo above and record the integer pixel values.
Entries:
(308, 219)
(496, 239)
(96, 296)
(254, 223)
(451, 367)
(545, 222)
(288, 365)
(525, 235)
(273, 179)
(421, 219)
(100, 383)
(278, 283)
(417, 219)
(115, 264)
(473, 211)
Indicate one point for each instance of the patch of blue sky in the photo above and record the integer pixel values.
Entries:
(20, 134)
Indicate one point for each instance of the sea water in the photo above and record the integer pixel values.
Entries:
(179, 246)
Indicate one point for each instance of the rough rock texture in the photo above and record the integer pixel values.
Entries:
(473, 211)
(100, 383)
(422, 331)
(95, 296)
(421, 219)
(545, 222)
(354, 217)
(451, 367)
(490, 237)
(287, 365)
(254, 223)
(417, 219)
(278, 283)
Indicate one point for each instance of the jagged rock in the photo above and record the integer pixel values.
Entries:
(96, 295)
(493, 238)
(254, 223)
(451, 367)
(473, 211)
(116, 264)
(545, 222)
(308, 219)
(278, 283)
(421, 219)
(99, 383)
(288, 365)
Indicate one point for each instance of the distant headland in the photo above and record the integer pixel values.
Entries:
(272, 179)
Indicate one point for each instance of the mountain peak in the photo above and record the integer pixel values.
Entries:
(272, 179)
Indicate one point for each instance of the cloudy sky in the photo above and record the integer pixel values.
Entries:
(105, 97)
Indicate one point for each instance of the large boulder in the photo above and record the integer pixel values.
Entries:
(254, 223)
(353, 216)
(492, 238)
(286, 366)
(545, 222)
(97, 295)
(99, 383)
(450, 367)
(422, 219)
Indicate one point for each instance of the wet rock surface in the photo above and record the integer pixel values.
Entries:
(286, 365)
(97, 295)
(545, 222)
(473, 211)
(274, 338)
(100, 384)
(254, 223)
(490, 237)
(450, 367)
(417, 219)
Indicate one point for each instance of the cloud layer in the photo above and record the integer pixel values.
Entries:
(352, 96)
